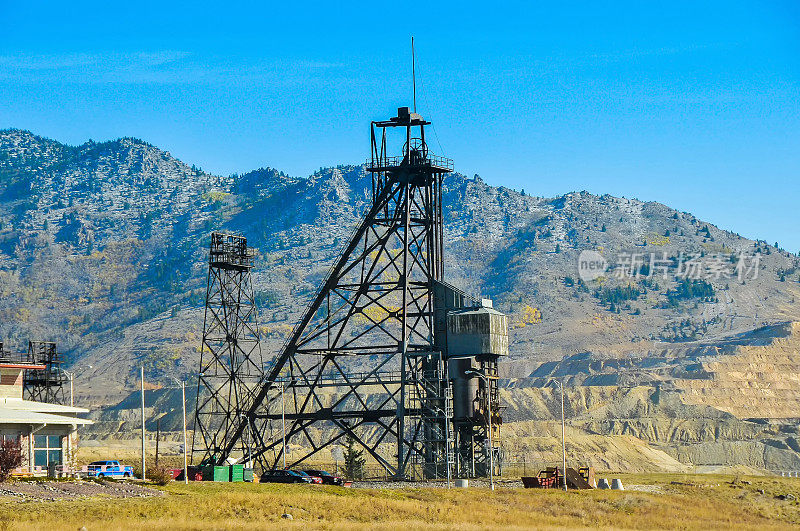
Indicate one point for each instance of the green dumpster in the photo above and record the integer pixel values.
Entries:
(248, 475)
(237, 473)
(215, 473)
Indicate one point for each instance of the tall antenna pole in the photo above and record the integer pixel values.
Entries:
(414, 73)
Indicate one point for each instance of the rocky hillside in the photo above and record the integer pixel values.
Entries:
(697, 436)
(102, 249)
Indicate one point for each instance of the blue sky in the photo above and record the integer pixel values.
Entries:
(693, 104)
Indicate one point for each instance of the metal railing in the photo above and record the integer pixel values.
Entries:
(355, 378)
(14, 357)
(230, 249)
(393, 162)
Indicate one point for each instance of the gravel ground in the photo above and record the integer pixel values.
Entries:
(654, 489)
(59, 490)
(477, 483)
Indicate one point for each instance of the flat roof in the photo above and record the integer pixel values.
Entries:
(19, 404)
(16, 416)
(15, 365)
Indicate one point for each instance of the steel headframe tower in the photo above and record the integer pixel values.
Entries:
(362, 362)
(231, 365)
(47, 385)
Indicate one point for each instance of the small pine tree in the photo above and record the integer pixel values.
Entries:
(353, 460)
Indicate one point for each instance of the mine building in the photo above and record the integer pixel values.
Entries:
(386, 355)
(47, 432)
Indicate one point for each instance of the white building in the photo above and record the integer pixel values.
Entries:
(48, 433)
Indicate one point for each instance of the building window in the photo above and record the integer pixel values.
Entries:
(12, 438)
(47, 449)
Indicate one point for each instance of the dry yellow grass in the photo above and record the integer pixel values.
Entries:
(695, 502)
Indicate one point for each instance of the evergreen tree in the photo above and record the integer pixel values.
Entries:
(353, 460)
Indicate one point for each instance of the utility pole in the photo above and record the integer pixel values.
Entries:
(563, 437)
(185, 450)
(70, 375)
(158, 437)
(283, 426)
(143, 467)
(185, 460)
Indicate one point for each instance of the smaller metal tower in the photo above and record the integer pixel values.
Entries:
(47, 385)
(231, 365)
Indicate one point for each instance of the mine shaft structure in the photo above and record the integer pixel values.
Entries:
(45, 385)
(477, 338)
(231, 364)
(368, 360)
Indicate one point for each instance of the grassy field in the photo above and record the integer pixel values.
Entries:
(677, 502)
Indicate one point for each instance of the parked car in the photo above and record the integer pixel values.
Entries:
(284, 476)
(314, 479)
(327, 477)
(108, 469)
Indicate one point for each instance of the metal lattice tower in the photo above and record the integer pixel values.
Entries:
(362, 362)
(231, 365)
(47, 385)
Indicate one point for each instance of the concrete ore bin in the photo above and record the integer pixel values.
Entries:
(477, 332)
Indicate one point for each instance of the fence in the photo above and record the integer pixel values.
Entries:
(373, 472)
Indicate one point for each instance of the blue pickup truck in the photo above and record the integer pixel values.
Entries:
(108, 469)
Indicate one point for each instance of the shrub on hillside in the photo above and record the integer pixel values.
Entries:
(159, 474)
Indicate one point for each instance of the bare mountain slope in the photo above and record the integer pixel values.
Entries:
(102, 248)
